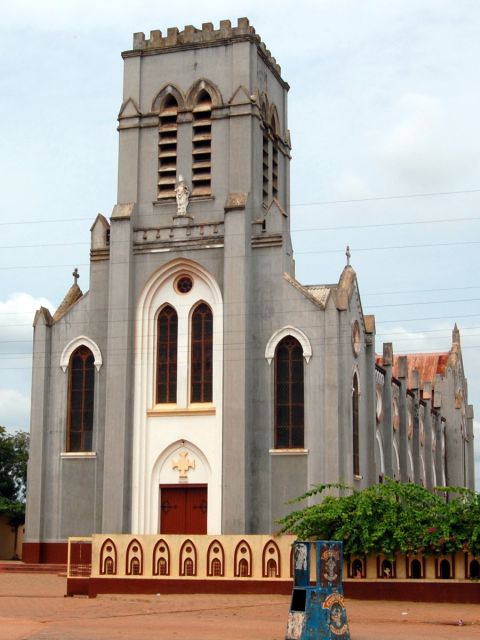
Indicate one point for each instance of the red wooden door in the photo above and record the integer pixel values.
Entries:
(183, 509)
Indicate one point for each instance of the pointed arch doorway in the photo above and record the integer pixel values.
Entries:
(183, 508)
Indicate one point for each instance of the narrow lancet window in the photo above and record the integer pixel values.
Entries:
(201, 354)
(289, 395)
(81, 388)
(167, 336)
(355, 427)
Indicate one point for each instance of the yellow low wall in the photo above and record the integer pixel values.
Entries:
(232, 557)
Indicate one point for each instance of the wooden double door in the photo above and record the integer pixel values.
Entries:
(183, 509)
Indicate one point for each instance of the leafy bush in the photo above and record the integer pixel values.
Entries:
(389, 518)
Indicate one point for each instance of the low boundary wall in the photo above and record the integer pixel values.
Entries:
(251, 564)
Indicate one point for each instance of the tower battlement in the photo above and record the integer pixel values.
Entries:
(206, 36)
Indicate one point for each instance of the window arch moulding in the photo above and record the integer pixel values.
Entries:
(167, 91)
(283, 333)
(196, 89)
(73, 345)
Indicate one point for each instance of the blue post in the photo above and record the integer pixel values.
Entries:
(317, 610)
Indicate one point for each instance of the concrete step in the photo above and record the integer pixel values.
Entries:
(16, 566)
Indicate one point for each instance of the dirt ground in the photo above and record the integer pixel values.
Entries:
(33, 607)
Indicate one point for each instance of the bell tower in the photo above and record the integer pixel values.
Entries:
(208, 107)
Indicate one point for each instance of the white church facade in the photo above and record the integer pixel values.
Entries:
(197, 386)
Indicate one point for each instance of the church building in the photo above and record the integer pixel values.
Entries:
(197, 386)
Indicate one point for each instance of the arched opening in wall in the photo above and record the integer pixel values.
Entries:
(134, 564)
(445, 570)
(416, 569)
(387, 569)
(108, 558)
(167, 336)
(161, 559)
(272, 570)
(289, 394)
(188, 559)
(355, 426)
(188, 567)
(201, 365)
(167, 148)
(202, 145)
(216, 567)
(357, 568)
(243, 568)
(474, 570)
(215, 559)
(242, 560)
(162, 567)
(81, 390)
(134, 568)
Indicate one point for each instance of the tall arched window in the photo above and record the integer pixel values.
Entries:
(201, 365)
(202, 145)
(355, 427)
(81, 387)
(167, 148)
(167, 335)
(289, 401)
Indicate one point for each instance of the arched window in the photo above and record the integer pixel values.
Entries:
(357, 568)
(81, 387)
(355, 427)
(416, 569)
(289, 403)
(188, 568)
(202, 145)
(216, 569)
(167, 148)
(201, 354)
(445, 571)
(243, 568)
(475, 569)
(167, 335)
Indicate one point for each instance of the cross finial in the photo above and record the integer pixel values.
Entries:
(75, 275)
(348, 254)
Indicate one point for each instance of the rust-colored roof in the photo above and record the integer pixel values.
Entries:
(427, 365)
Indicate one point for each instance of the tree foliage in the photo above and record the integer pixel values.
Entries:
(389, 518)
(13, 473)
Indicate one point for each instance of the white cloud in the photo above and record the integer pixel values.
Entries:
(438, 338)
(17, 313)
(14, 410)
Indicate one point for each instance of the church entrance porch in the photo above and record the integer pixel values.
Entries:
(183, 509)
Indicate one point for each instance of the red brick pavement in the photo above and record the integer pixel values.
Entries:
(33, 607)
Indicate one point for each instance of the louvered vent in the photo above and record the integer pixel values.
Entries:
(202, 146)
(167, 149)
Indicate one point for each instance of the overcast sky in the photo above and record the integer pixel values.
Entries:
(383, 114)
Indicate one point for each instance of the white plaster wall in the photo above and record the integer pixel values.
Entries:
(162, 431)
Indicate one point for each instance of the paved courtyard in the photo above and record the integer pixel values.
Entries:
(33, 607)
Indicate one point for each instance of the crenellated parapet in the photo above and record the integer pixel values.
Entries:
(206, 36)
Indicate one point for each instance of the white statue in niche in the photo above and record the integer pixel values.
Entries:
(182, 193)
